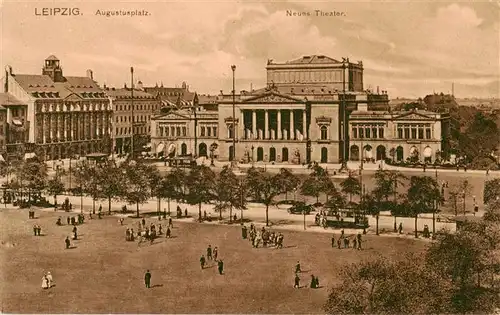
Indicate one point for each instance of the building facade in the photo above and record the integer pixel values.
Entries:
(184, 131)
(13, 129)
(66, 115)
(417, 135)
(145, 106)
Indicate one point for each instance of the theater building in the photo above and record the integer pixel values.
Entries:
(301, 116)
(65, 115)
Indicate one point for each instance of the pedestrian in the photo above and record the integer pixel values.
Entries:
(202, 262)
(244, 232)
(68, 242)
(127, 235)
(39, 230)
(209, 252)
(147, 279)
(346, 242)
(220, 264)
(354, 245)
(317, 282)
(359, 241)
(170, 223)
(168, 232)
(333, 240)
(143, 222)
(215, 252)
(132, 236)
(297, 282)
(204, 215)
(121, 221)
(45, 282)
(160, 231)
(342, 233)
(50, 281)
(297, 267)
(313, 282)
(186, 212)
(400, 227)
(34, 229)
(68, 220)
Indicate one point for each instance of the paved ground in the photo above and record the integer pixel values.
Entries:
(104, 273)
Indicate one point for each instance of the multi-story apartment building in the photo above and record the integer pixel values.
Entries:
(65, 115)
(13, 132)
(145, 105)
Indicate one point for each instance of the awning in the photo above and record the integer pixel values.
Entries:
(171, 148)
(160, 148)
(427, 152)
(17, 122)
(29, 155)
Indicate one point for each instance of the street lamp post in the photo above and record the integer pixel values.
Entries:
(253, 148)
(233, 160)
(464, 200)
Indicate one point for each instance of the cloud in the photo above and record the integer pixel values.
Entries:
(406, 48)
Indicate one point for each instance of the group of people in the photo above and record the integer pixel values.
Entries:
(345, 241)
(314, 279)
(149, 233)
(37, 230)
(31, 214)
(212, 255)
(321, 219)
(264, 236)
(47, 281)
(80, 219)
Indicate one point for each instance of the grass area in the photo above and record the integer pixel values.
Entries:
(105, 274)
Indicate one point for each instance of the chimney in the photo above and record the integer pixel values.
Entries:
(139, 85)
(378, 91)
(90, 74)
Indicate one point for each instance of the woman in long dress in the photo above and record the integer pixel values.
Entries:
(49, 279)
(45, 282)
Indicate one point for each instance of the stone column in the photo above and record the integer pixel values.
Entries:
(304, 124)
(254, 124)
(292, 125)
(43, 127)
(51, 127)
(266, 126)
(279, 124)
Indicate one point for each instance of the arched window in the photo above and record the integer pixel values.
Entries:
(260, 154)
(230, 131)
(284, 155)
(202, 131)
(324, 133)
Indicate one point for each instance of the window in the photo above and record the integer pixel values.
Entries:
(202, 131)
(374, 132)
(178, 131)
(324, 133)
(116, 131)
(361, 133)
(427, 133)
(167, 131)
(215, 131)
(413, 133)
(381, 133)
(354, 133)
(116, 119)
(184, 131)
(209, 132)
(420, 133)
(407, 133)
(368, 133)
(172, 131)
(230, 131)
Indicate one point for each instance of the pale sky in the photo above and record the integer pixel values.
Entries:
(408, 49)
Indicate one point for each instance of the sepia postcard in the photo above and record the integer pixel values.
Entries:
(249, 157)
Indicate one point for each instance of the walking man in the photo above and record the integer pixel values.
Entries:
(170, 223)
(168, 232)
(202, 262)
(333, 240)
(216, 252)
(359, 241)
(297, 267)
(400, 228)
(147, 279)
(220, 264)
(68, 242)
(209, 252)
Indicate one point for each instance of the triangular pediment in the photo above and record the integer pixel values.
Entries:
(273, 97)
(73, 97)
(173, 115)
(413, 116)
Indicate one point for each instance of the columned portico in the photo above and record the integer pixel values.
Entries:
(266, 124)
